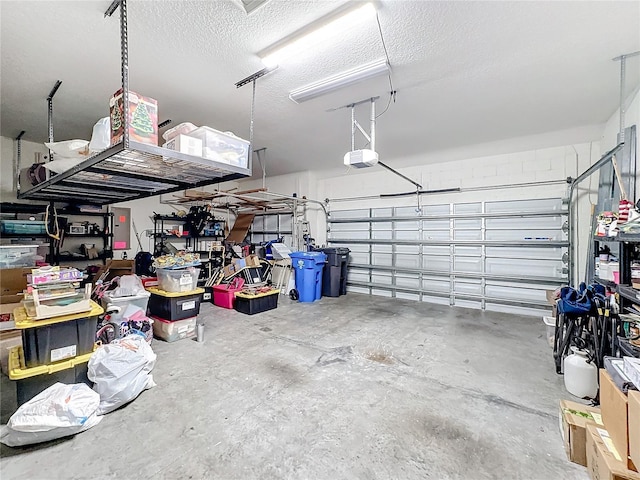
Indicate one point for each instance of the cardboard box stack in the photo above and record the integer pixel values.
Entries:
(611, 449)
(238, 264)
(575, 418)
(607, 439)
(13, 282)
(603, 460)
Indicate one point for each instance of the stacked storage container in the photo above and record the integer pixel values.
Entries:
(175, 303)
(53, 350)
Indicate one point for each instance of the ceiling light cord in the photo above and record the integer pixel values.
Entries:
(392, 91)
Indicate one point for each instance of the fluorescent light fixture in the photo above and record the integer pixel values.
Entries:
(342, 79)
(251, 5)
(301, 41)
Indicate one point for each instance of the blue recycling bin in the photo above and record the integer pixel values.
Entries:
(308, 273)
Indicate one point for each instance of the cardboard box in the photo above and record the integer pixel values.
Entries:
(252, 261)
(575, 417)
(613, 404)
(631, 368)
(12, 283)
(231, 269)
(116, 268)
(185, 144)
(8, 340)
(142, 118)
(633, 400)
(603, 460)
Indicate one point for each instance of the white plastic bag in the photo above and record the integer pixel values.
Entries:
(69, 148)
(101, 136)
(62, 164)
(121, 370)
(59, 411)
(128, 286)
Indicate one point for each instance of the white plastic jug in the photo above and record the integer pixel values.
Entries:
(580, 376)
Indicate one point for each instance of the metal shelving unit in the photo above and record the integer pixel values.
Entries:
(54, 256)
(627, 295)
(130, 170)
(191, 241)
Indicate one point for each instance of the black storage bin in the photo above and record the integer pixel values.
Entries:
(252, 304)
(174, 306)
(58, 341)
(334, 275)
(207, 296)
(32, 381)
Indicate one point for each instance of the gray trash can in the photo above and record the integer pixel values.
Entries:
(334, 276)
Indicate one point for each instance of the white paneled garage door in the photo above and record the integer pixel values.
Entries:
(499, 255)
(268, 227)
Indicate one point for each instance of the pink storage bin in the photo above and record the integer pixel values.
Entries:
(224, 295)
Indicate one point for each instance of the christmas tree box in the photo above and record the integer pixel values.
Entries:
(143, 118)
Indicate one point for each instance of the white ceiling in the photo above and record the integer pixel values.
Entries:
(465, 72)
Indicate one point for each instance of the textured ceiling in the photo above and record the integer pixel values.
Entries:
(465, 72)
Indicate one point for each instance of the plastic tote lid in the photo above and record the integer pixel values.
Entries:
(319, 257)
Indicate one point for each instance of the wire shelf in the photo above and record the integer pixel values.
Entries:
(118, 174)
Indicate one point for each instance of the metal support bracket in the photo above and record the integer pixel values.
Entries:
(112, 8)
(50, 113)
(252, 79)
(623, 77)
(18, 162)
(371, 137)
(255, 76)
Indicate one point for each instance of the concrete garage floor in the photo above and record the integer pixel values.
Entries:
(356, 387)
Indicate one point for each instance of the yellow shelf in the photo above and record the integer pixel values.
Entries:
(24, 321)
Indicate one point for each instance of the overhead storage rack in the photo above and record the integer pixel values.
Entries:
(130, 170)
(122, 173)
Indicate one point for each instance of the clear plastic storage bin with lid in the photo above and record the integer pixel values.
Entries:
(222, 147)
(22, 227)
(15, 256)
(177, 281)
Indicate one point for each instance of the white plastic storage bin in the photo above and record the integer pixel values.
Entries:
(172, 331)
(222, 147)
(550, 324)
(15, 256)
(177, 281)
(141, 300)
